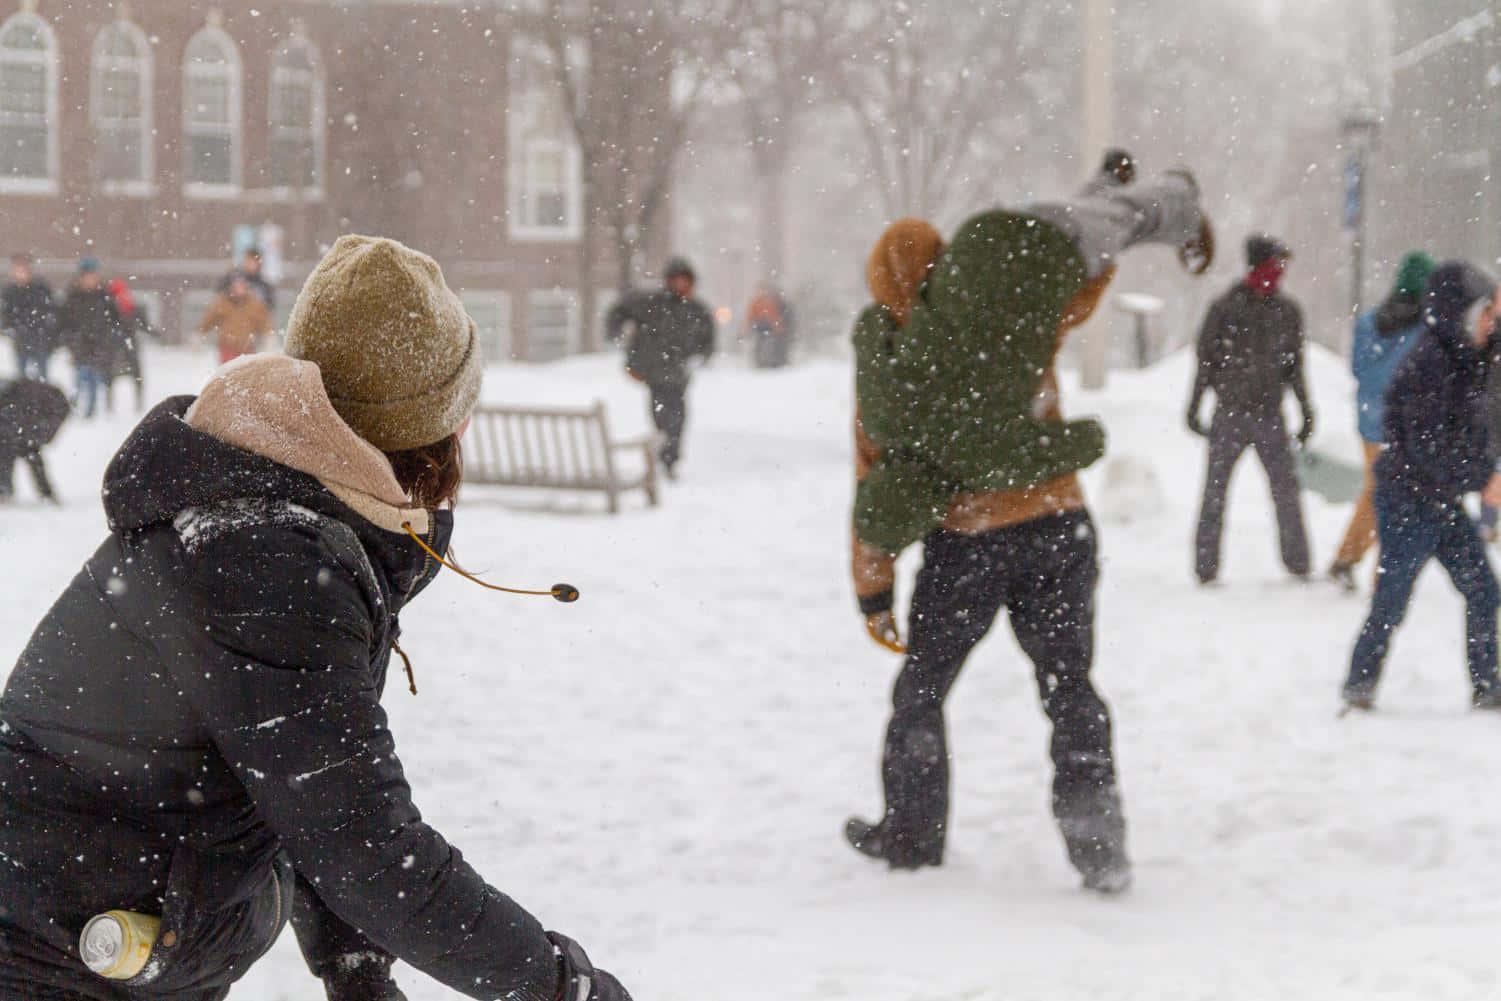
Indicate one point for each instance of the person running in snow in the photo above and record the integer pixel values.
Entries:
(1028, 547)
(251, 268)
(28, 312)
(1437, 451)
(194, 730)
(1250, 353)
(1383, 336)
(670, 329)
(90, 326)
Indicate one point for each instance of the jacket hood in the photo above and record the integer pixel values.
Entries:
(277, 408)
(900, 263)
(1455, 288)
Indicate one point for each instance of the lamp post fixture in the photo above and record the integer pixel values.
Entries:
(1358, 128)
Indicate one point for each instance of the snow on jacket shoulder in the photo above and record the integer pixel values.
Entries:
(199, 714)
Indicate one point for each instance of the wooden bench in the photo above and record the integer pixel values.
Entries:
(554, 449)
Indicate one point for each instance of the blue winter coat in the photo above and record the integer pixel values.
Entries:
(1435, 422)
(1382, 340)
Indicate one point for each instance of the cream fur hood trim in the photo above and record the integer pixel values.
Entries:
(277, 408)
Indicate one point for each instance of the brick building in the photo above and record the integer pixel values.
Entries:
(155, 134)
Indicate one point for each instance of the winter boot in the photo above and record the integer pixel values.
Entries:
(1488, 699)
(1362, 699)
(1344, 575)
(1094, 831)
(873, 840)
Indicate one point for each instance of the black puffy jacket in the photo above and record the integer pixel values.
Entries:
(198, 717)
(669, 332)
(1438, 441)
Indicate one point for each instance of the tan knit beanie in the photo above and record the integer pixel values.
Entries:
(400, 358)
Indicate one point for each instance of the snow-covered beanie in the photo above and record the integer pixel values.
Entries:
(1262, 248)
(899, 265)
(399, 356)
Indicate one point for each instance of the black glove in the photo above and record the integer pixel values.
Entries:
(580, 980)
(1306, 431)
(363, 984)
(1194, 424)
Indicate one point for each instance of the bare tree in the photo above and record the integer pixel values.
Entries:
(944, 95)
(633, 77)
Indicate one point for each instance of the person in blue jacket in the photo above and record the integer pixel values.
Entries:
(1437, 451)
(1383, 336)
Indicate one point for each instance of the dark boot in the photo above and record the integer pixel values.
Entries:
(1094, 831)
(872, 840)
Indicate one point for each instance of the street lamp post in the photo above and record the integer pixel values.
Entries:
(1358, 128)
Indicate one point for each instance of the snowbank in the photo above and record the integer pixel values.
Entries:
(662, 770)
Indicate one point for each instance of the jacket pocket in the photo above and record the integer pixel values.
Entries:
(206, 943)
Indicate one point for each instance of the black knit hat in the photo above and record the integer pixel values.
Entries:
(678, 267)
(1262, 248)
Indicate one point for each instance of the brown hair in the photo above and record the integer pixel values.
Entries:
(431, 474)
(899, 265)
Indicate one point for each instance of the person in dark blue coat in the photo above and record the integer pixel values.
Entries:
(1437, 452)
(1383, 337)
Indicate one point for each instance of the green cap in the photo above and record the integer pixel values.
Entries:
(1413, 274)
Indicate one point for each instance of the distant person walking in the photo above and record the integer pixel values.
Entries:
(768, 322)
(29, 314)
(1250, 353)
(127, 358)
(251, 268)
(670, 329)
(1383, 337)
(89, 325)
(239, 318)
(1437, 451)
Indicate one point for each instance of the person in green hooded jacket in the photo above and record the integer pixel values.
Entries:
(960, 442)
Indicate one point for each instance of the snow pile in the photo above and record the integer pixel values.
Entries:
(663, 769)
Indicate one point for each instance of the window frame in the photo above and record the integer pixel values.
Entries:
(50, 59)
(319, 115)
(527, 52)
(145, 185)
(235, 77)
(499, 301)
(555, 295)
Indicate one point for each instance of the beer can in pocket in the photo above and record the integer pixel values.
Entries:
(116, 944)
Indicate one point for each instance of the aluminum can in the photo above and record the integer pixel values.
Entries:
(117, 944)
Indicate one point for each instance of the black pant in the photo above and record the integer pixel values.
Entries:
(1043, 573)
(1229, 437)
(669, 411)
(33, 457)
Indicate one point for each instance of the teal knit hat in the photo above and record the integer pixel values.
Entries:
(1413, 274)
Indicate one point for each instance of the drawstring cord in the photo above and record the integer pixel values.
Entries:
(407, 661)
(566, 593)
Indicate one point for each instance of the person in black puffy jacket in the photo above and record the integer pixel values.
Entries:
(195, 732)
(1437, 452)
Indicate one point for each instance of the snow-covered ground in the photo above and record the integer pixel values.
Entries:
(663, 769)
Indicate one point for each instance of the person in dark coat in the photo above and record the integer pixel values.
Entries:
(28, 312)
(1250, 353)
(195, 732)
(1383, 337)
(90, 327)
(670, 329)
(251, 270)
(134, 328)
(1438, 450)
(31, 414)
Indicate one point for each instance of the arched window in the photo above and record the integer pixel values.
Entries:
(120, 107)
(296, 117)
(211, 106)
(546, 168)
(28, 104)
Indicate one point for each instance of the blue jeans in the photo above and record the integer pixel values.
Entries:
(89, 382)
(1412, 532)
